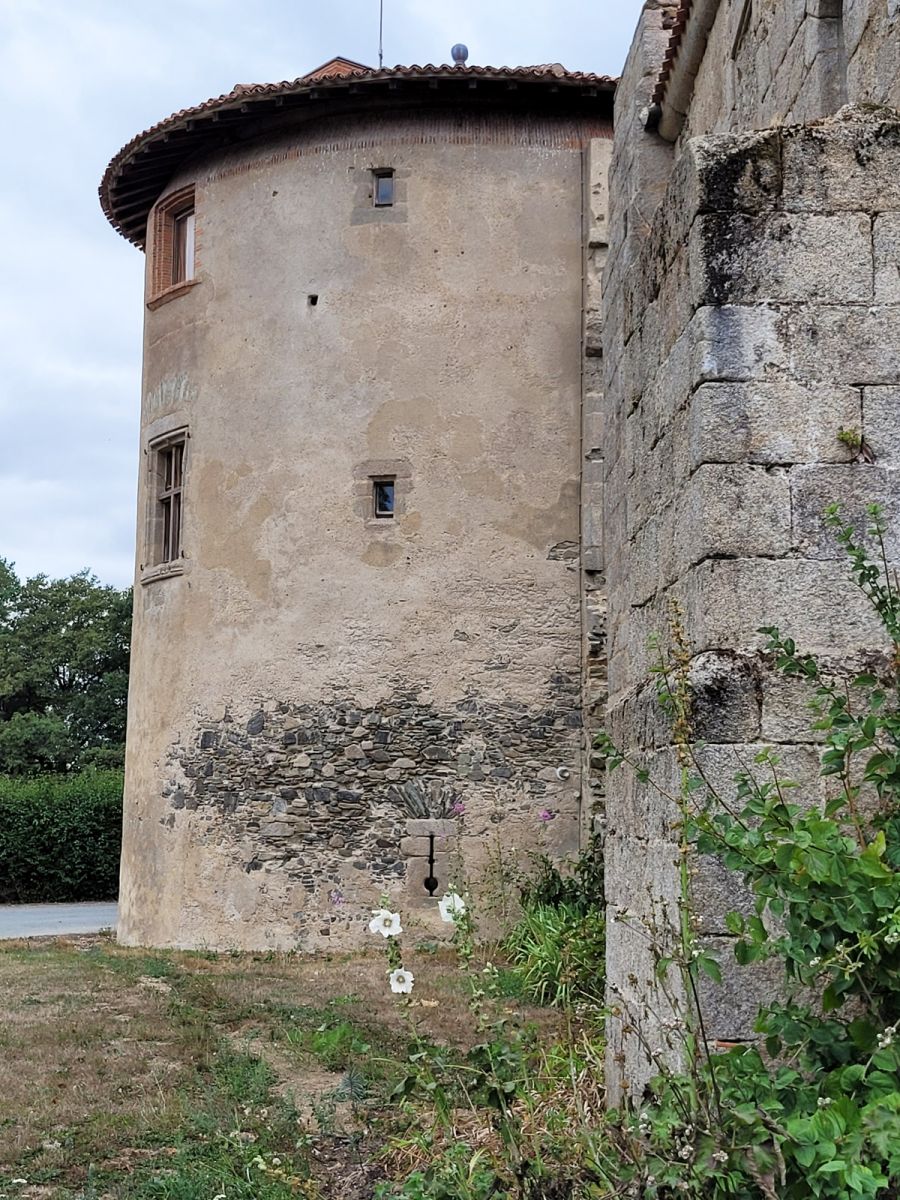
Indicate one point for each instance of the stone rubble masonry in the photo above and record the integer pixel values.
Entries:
(339, 802)
(593, 415)
(746, 321)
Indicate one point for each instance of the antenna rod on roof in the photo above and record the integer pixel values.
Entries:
(380, 33)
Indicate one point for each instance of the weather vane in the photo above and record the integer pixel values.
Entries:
(380, 33)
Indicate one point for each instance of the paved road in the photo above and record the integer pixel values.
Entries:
(45, 920)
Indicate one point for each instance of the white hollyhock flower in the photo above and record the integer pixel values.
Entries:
(385, 922)
(451, 906)
(401, 981)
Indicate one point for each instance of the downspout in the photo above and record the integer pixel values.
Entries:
(688, 55)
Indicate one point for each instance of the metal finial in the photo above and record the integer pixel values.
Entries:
(460, 53)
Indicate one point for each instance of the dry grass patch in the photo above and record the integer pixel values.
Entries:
(127, 1074)
(77, 1039)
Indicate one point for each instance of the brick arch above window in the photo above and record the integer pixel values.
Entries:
(173, 248)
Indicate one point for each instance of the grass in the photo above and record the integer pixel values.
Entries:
(172, 1076)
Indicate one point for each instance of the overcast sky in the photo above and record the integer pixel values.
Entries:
(78, 78)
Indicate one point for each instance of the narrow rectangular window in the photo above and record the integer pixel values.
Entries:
(383, 498)
(183, 246)
(174, 245)
(383, 190)
(169, 482)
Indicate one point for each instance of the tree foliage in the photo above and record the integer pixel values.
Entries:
(64, 648)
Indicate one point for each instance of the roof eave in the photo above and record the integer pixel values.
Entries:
(251, 101)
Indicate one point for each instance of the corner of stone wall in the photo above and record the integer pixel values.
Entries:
(760, 317)
(593, 435)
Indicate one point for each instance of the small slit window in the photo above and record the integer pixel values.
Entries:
(383, 189)
(383, 498)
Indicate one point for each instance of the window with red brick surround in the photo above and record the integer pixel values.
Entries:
(172, 270)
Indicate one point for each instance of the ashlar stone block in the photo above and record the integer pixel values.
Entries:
(730, 1008)
(787, 713)
(733, 509)
(728, 173)
(781, 421)
(856, 486)
(887, 257)
(725, 705)
(815, 602)
(851, 162)
(420, 869)
(881, 424)
(844, 344)
(638, 1008)
(787, 257)
(599, 156)
(737, 342)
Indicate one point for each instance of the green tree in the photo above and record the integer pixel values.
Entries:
(64, 646)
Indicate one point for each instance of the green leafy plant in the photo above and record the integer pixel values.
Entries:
(578, 885)
(64, 654)
(559, 952)
(814, 1111)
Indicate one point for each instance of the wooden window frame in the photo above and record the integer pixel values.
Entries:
(168, 460)
(384, 514)
(174, 247)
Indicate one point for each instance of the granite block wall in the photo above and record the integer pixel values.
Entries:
(772, 62)
(759, 319)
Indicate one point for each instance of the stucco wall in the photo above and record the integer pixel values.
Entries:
(312, 669)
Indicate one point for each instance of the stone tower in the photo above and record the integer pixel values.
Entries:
(357, 654)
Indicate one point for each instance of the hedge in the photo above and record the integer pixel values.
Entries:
(60, 837)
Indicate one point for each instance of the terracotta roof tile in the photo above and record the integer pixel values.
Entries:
(336, 67)
(336, 75)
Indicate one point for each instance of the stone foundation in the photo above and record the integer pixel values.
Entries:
(341, 802)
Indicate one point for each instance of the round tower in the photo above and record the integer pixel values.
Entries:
(356, 653)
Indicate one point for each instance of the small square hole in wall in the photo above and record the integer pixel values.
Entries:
(383, 498)
(312, 299)
(383, 188)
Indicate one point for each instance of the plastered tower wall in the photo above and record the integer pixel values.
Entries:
(748, 318)
(317, 688)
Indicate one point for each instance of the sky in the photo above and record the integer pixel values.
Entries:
(78, 79)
